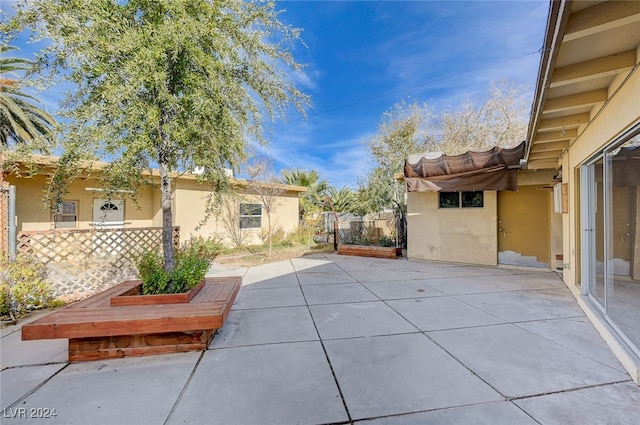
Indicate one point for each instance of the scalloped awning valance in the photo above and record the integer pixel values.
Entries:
(495, 169)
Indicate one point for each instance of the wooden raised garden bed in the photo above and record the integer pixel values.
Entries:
(370, 251)
(134, 296)
(97, 329)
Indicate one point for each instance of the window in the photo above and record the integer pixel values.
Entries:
(461, 199)
(250, 216)
(66, 216)
(472, 199)
(449, 199)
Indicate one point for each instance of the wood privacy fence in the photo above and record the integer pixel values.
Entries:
(80, 263)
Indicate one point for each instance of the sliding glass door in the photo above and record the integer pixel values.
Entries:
(611, 208)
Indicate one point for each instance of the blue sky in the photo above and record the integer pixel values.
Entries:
(364, 56)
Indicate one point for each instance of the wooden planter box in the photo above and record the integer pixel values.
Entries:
(133, 296)
(370, 251)
(97, 329)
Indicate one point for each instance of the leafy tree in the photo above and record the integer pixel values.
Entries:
(403, 130)
(267, 189)
(312, 199)
(24, 126)
(177, 84)
(499, 120)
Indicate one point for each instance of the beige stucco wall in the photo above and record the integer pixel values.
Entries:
(31, 215)
(190, 199)
(189, 205)
(465, 235)
(619, 114)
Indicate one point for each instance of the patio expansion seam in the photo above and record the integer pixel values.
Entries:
(563, 345)
(570, 390)
(21, 366)
(324, 350)
(437, 409)
(457, 297)
(37, 387)
(465, 366)
(184, 387)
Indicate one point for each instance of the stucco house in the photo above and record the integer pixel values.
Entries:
(85, 206)
(576, 207)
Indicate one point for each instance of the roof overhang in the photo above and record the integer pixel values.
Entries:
(46, 164)
(590, 48)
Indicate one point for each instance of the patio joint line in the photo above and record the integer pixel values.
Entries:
(569, 348)
(524, 411)
(184, 387)
(511, 321)
(36, 388)
(326, 355)
(506, 398)
(372, 336)
(21, 366)
(570, 390)
(435, 409)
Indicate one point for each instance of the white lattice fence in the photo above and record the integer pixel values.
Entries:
(82, 262)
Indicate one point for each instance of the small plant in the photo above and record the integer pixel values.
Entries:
(192, 262)
(206, 247)
(151, 271)
(23, 286)
(5, 300)
(386, 241)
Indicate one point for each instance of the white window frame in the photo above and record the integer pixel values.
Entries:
(60, 212)
(250, 205)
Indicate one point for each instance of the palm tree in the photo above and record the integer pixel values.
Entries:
(316, 188)
(343, 200)
(22, 123)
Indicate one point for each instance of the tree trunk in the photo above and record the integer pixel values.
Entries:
(167, 219)
(270, 232)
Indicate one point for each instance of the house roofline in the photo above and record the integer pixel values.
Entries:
(51, 161)
(556, 24)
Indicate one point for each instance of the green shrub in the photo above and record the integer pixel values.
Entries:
(386, 241)
(23, 285)
(303, 234)
(151, 271)
(191, 264)
(5, 300)
(206, 247)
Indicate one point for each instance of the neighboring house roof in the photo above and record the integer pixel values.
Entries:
(494, 169)
(51, 161)
(591, 48)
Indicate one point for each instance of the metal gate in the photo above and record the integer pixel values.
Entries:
(8, 221)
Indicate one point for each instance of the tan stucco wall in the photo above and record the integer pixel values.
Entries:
(32, 216)
(189, 205)
(619, 114)
(190, 200)
(465, 235)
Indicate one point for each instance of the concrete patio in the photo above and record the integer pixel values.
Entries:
(339, 340)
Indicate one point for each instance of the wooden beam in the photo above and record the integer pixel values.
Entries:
(549, 146)
(601, 17)
(594, 68)
(551, 155)
(542, 165)
(566, 121)
(555, 136)
(575, 100)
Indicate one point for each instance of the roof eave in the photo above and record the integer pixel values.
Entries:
(559, 11)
